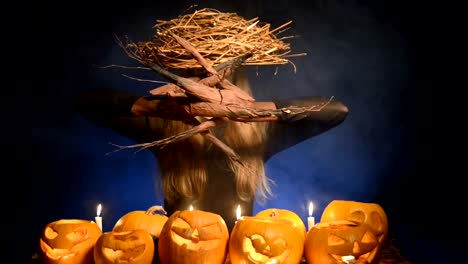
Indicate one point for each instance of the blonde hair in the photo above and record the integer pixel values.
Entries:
(182, 164)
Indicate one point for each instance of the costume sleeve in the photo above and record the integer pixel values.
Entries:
(323, 115)
(112, 109)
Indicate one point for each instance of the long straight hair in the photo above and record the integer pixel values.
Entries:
(183, 167)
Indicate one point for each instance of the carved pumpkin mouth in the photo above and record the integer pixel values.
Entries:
(365, 256)
(56, 253)
(259, 250)
(339, 259)
(124, 247)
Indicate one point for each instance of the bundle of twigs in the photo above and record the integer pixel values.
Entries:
(219, 37)
(217, 43)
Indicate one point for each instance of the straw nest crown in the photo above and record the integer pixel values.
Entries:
(219, 37)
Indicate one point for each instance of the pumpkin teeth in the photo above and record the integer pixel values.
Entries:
(57, 254)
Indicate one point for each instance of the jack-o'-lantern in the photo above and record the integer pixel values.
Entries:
(260, 240)
(193, 236)
(275, 213)
(371, 214)
(148, 220)
(328, 243)
(68, 241)
(131, 247)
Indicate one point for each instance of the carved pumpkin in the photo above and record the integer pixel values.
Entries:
(371, 214)
(148, 220)
(256, 240)
(68, 241)
(193, 236)
(327, 243)
(130, 247)
(275, 213)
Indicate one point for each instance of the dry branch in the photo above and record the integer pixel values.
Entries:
(203, 127)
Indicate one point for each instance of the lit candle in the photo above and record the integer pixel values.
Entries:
(238, 212)
(348, 259)
(98, 217)
(191, 208)
(310, 219)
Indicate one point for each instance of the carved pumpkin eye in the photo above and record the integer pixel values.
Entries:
(210, 232)
(181, 228)
(357, 216)
(77, 235)
(50, 233)
(376, 222)
(372, 218)
(368, 238)
(334, 240)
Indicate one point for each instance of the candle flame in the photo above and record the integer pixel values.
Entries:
(311, 208)
(238, 212)
(99, 209)
(191, 208)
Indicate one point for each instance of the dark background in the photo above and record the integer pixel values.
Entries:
(383, 59)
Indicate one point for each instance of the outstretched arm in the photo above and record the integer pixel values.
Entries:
(294, 121)
(137, 117)
(116, 110)
(325, 114)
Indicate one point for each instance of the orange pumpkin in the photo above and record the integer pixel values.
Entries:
(275, 213)
(328, 243)
(262, 240)
(148, 220)
(371, 214)
(193, 237)
(68, 241)
(131, 247)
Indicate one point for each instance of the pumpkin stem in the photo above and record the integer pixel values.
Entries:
(274, 213)
(155, 208)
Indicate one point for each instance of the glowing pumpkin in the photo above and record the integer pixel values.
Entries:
(68, 241)
(148, 220)
(193, 237)
(275, 213)
(371, 214)
(131, 247)
(260, 240)
(328, 243)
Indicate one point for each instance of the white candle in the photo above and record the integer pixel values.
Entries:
(348, 259)
(191, 208)
(238, 213)
(310, 219)
(98, 217)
